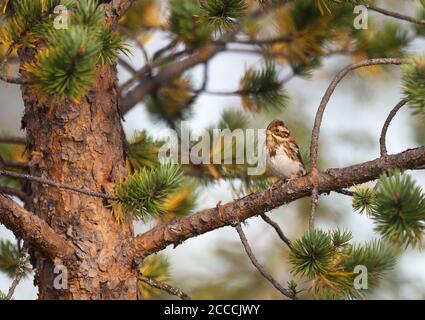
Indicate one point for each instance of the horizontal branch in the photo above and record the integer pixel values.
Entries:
(14, 192)
(51, 183)
(177, 231)
(33, 230)
(15, 140)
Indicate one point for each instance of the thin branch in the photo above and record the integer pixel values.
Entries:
(14, 192)
(389, 13)
(127, 66)
(164, 287)
(15, 164)
(382, 139)
(13, 80)
(259, 267)
(345, 192)
(320, 111)
(15, 140)
(20, 271)
(144, 73)
(261, 42)
(172, 44)
(314, 200)
(147, 85)
(277, 228)
(179, 230)
(56, 184)
(121, 6)
(33, 230)
(314, 146)
(163, 112)
(242, 92)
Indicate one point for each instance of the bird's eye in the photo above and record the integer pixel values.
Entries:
(276, 130)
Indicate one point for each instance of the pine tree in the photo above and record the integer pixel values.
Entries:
(72, 189)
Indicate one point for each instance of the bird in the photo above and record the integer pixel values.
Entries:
(283, 158)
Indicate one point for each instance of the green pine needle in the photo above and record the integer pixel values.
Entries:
(185, 23)
(262, 90)
(232, 119)
(223, 14)
(144, 193)
(340, 238)
(3, 296)
(312, 254)
(330, 261)
(88, 14)
(156, 267)
(66, 65)
(375, 255)
(363, 200)
(414, 84)
(112, 43)
(399, 209)
(9, 258)
(143, 151)
(68, 68)
(387, 42)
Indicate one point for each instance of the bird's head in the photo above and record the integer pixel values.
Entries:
(277, 131)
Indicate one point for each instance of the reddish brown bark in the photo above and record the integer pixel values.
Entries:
(81, 144)
(33, 230)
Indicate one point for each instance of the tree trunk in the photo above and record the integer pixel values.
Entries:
(81, 144)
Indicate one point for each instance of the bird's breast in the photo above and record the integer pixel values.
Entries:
(281, 166)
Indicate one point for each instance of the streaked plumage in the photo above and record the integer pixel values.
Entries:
(282, 152)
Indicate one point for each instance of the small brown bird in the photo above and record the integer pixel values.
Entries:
(283, 157)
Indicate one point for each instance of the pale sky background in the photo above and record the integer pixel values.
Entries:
(357, 109)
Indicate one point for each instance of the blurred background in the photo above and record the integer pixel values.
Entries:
(214, 265)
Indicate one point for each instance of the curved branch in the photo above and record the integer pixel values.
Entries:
(320, 111)
(314, 146)
(259, 267)
(33, 230)
(382, 139)
(277, 229)
(177, 231)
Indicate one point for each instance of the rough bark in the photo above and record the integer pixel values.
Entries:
(80, 144)
(33, 230)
